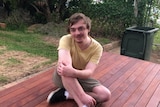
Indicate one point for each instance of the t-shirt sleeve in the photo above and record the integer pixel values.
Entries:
(65, 43)
(97, 55)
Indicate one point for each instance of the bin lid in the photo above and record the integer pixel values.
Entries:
(143, 29)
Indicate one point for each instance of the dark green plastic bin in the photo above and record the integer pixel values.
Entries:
(137, 42)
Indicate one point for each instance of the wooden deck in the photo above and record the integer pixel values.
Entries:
(133, 83)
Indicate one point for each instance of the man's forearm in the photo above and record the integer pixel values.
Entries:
(83, 74)
(73, 87)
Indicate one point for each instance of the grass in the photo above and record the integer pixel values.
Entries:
(1, 52)
(28, 42)
(3, 79)
(157, 38)
(13, 61)
(156, 42)
(103, 40)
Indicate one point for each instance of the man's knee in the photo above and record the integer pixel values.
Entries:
(107, 94)
(103, 93)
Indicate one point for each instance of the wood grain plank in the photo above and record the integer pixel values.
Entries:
(22, 93)
(122, 83)
(68, 103)
(155, 100)
(137, 78)
(140, 90)
(104, 62)
(142, 102)
(111, 64)
(121, 80)
(120, 72)
(34, 97)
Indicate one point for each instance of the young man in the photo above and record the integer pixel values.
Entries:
(78, 56)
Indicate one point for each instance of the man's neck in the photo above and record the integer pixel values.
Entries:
(84, 45)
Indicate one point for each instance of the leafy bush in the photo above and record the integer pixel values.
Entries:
(109, 18)
(53, 29)
(18, 19)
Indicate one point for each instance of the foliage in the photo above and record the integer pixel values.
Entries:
(110, 17)
(145, 12)
(144, 7)
(18, 19)
(79, 6)
(111, 21)
(53, 29)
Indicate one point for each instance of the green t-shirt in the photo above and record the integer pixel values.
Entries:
(81, 57)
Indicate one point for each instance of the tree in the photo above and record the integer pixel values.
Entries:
(41, 8)
(142, 11)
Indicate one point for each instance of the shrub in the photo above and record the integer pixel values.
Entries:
(18, 19)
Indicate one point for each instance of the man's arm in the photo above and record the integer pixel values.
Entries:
(69, 71)
(65, 67)
(71, 84)
(64, 57)
(87, 72)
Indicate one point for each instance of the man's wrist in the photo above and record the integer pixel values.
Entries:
(75, 73)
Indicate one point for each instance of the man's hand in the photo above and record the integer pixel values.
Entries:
(65, 70)
(88, 101)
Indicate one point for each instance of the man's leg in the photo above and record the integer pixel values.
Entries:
(100, 93)
(95, 89)
(76, 91)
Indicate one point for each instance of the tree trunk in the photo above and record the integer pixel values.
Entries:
(60, 9)
(135, 8)
(48, 12)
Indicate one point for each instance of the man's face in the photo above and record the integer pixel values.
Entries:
(79, 31)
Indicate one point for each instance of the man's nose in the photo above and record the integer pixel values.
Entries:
(77, 31)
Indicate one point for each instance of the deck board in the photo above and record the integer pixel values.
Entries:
(148, 93)
(133, 83)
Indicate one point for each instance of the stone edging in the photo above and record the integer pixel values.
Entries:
(111, 45)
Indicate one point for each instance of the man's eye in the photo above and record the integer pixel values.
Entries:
(72, 30)
(80, 28)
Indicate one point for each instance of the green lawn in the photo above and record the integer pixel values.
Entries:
(28, 42)
(156, 41)
(157, 37)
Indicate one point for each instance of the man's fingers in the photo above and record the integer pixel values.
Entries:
(63, 63)
(93, 103)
